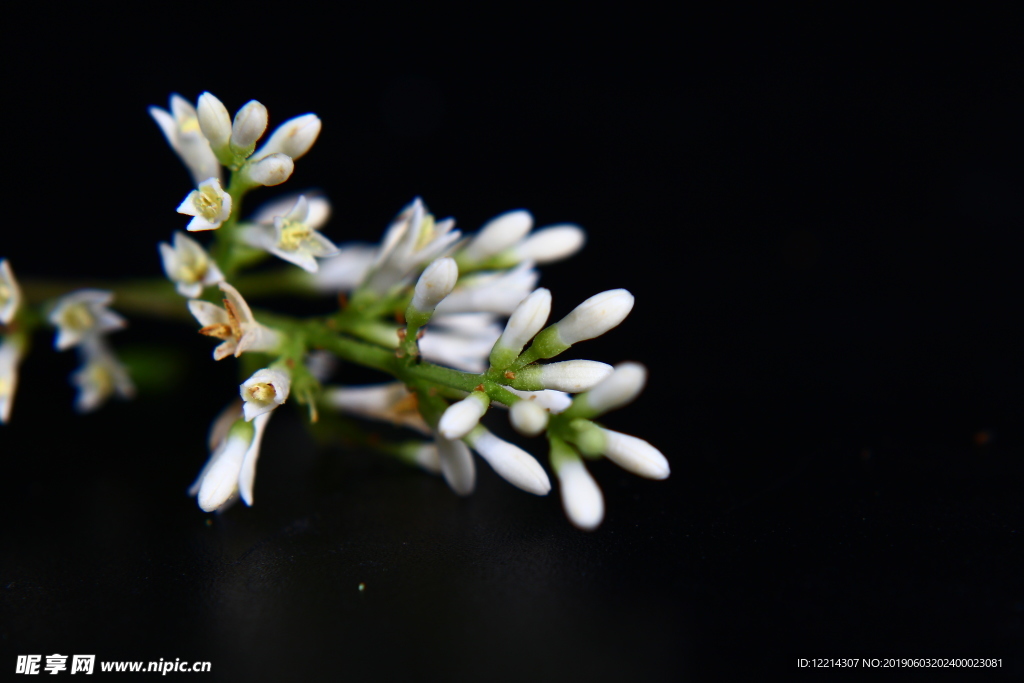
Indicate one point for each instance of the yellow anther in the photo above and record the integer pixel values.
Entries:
(293, 235)
(262, 392)
(77, 317)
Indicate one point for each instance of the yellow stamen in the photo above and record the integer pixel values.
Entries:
(293, 235)
(262, 392)
(77, 317)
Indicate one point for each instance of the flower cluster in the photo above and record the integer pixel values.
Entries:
(456, 323)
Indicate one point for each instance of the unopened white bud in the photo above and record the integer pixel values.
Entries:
(498, 234)
(620, 388)
(294, 137)
(460, 417)
(511, 462)
(436, 282)
(250, 123)
(581, 496)
(634, 455)
(595, 316)
(457, 465)
(265, 390)
(551, 244)
(214, 120)
(528, 418)
(572, 376)
(525, 322)
(271, 170)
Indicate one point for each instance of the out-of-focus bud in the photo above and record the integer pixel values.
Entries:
(270, 170)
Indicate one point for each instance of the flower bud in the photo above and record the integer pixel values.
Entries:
(461, 417)
(581, 496)
(635, 455)
(572, 376)
(619, 389)
(294, 137)
(250, 123)
(218, 483)
(214, 121)
(595, 316)
(10, 293)
(436, 282)
(528, 418)
(551, 244)
(457, 465)
(265, 390)
(271, 170)
(526, 321)
(511, 462)
(497, 235)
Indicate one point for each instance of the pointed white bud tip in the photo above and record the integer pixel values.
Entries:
(635, 455)
(10, 293)
(217, 486)
(460, 417)
(581, 496)
(214, 120)
(526, 321)
(294, 137)
(511, 462)
(498, 234)
(265, 390)
(595, 316)
(271, 170)
(457, 465)
(250, 123)
(619, 389)
(528, 418)
(572, 376)
(551, 244)
(436, 282)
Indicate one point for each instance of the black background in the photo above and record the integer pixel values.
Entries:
(819, 216)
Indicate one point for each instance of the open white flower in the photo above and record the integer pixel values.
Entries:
(234, 324)
(265, 390)
(10, 293)
(100, 377)
(181, 128)
(83, 315)
(209, 205)
(412, 240)
(12, 350)
(189, 266)
(293, 236)
(231, 468)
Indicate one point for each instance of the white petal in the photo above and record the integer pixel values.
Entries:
(462, 416)
(498, 234)
(512, 463)
(551, 244)
(595, 316)
(247, 472)
(528, 418)
(581, 496)
(617, 390)
(635, 455)
(457, 465)
(220, 480)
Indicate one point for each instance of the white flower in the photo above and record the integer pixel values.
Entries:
(293, 237)
(511, 462)
(572, 376)
(209, 205)
(460, 341)
(504, 240)
(347, 270)
(498, 292)
(183, 132)
(294, 137)
(265, 390)
(457, 465)
(412, 240)
(188, 265)
(581, 496)
(10, 293)
(100, 376)
(497, 235)
(634, 455)
(435, 283)
(234, 324)
(595, 316)
(231, 468)
(83, 315)
(12, 350)
(528, 417)
(526, 321)
(390, 402)
(462, 416)
(617, 390)
(250, 122)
